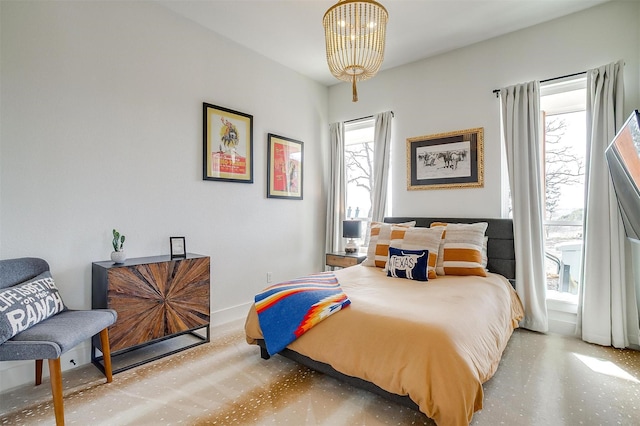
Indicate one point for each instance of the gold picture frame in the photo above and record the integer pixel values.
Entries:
(446, 160)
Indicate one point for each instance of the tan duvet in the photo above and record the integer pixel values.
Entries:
(435, 341)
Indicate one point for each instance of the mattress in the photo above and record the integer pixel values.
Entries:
(436, 341)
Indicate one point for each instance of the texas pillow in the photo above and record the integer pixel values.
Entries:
(410, 264)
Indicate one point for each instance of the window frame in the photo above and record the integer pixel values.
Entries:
(353, 126)
(571, 91)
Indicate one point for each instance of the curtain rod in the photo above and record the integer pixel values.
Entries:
(364, 118)
(497, 91)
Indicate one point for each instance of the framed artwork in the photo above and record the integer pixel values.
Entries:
(285, 167)
(446, 160)
(227, 145)
(178, 247)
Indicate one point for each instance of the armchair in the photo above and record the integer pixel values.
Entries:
(51, 337)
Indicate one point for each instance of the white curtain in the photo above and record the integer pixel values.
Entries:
(337, 189)
(381, 143)
(521, 127)
(606, 288)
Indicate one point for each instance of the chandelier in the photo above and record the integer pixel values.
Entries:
(354, 33)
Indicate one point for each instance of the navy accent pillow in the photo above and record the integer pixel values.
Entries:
(410, 264)
(26, 304)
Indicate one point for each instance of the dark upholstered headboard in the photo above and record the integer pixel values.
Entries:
(500, 249)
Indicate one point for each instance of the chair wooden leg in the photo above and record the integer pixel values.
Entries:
(38, 372)
(106, 354)
(55, 374)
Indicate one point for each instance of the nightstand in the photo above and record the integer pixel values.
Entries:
(343, 260)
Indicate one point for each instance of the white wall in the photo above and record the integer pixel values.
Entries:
(101, 118)
(453, 91)
(102, 127)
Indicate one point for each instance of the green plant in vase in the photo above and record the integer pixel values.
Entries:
(118, 255)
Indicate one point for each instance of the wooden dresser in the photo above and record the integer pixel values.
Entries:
(156, 298)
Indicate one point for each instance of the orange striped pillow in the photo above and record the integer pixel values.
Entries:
(419, 239)
(379, 239)
(461, 249)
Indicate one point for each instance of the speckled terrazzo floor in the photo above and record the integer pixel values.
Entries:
(542, 380)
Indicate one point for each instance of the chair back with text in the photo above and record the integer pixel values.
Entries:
(51, 335)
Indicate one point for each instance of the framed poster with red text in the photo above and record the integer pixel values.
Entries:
(284, 167)
(227, 144)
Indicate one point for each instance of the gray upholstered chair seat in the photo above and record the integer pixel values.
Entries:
(56, 335)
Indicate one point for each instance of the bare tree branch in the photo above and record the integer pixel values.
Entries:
(359, 164)
(562, 165)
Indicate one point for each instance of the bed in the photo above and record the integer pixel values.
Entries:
(427, 345)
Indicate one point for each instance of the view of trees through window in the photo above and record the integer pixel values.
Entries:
(564, 167)
(564, 164)
(359, 167)
(358, 157)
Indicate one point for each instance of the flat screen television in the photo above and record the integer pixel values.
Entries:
(623, 158)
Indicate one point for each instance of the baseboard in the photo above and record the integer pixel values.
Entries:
(562, 316)
(559, 326)
(20, 373)
(233, 313)
(562, 322)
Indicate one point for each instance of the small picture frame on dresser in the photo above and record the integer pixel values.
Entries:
(178, 247)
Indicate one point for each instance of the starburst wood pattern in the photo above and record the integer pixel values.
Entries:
(155, 300)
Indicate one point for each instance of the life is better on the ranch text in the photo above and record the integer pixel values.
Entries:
(30, 303)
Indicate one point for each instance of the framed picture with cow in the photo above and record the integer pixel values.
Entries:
(227, 144)
(446, 160)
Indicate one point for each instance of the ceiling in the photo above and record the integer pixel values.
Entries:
(290, 31)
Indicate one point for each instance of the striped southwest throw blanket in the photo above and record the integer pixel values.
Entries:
(288, 309)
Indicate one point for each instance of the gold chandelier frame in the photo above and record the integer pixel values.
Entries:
(355, 32)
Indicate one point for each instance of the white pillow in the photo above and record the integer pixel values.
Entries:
(461, 251)
(379, 239)
(485, 258)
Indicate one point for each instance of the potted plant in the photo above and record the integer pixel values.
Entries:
(118, 255)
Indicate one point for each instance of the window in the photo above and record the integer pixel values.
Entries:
(564, 142)
(358, 153)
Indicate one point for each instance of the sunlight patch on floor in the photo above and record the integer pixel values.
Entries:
(605, 367)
